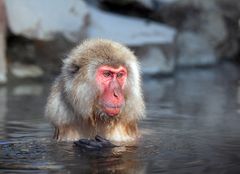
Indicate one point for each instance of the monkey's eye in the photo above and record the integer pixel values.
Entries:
(119, 75)
(107, 73)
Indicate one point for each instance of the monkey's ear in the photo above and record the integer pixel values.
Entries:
(73, 68)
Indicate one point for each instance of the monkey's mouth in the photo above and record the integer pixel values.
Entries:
(111, 109)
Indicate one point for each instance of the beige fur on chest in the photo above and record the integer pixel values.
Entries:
(117, 132)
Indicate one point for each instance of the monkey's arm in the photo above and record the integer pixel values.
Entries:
(97, 144)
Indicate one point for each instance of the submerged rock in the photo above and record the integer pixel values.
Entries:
(98, 143)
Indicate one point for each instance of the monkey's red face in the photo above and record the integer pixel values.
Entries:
(111, 82)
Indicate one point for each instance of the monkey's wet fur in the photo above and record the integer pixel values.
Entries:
(99, 143)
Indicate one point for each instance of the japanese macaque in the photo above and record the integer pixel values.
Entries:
(97, 93)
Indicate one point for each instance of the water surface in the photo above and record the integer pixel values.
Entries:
(192, 126)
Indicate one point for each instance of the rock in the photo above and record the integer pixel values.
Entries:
(194, 49)
(46, 54)
(217, 20)
(201, 17)
(44, 19)
(213, 28)
(201, 30)
(198, 16)
(128, 30)
(229, 9)
(22, 50)
(156, 59)
(3, 64)
(26, 71)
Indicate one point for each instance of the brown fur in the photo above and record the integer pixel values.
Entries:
(72, 105)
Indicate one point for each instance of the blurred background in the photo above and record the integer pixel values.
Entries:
(189, 52)
(165, 34)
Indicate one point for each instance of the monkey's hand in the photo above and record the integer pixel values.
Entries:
(94, 144)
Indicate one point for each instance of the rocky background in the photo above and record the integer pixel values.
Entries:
(165, 34)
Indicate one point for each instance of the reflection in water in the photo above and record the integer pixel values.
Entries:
(115, 160)
(30, 89)
(3, 102)
(192, 126)
(51, 156)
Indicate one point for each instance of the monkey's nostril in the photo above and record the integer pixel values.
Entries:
(115, 94)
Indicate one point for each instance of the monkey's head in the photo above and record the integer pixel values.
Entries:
(101, 78)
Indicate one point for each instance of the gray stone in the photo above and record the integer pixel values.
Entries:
(199, 16)
(194, 49)
(25, 71)
(128, 30)
(207, 20)
(229, 9)
(213, 27)
(44, 19)
(3, 64)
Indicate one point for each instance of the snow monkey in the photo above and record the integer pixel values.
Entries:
(97, 93)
